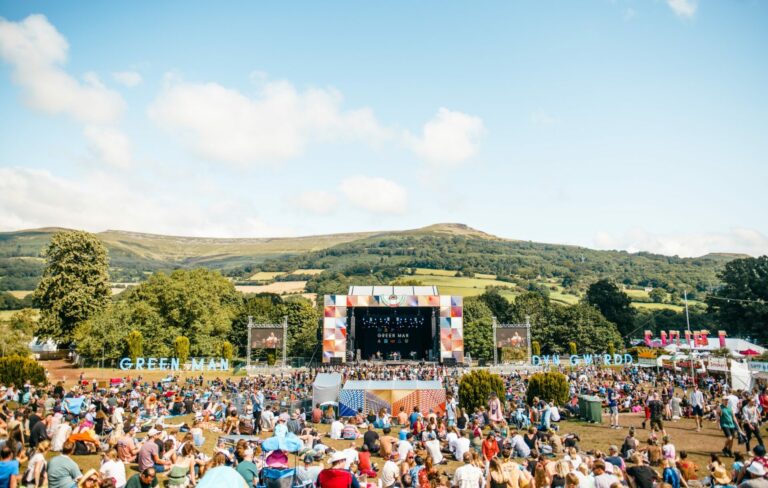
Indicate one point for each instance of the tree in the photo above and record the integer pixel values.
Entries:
(476, 309)
(198, 303)
(227, 350)
(572, 349)
(536, 348)
(74, 285)
(741, 304)
(303, 326)
(658, 295)
(498, 305)
(16, 333)
(476, 387)
(613, 304)
(581, 324)
(478, 339)
(181, 348)
(20, 369)
(550, 387)
(135, 346)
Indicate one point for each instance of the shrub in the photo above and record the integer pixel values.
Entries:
(476, 386)
(572, 348)
(549, 386)
(135, 345)
(536, 348)
(18, 369)
(181, 348)
(227, 350)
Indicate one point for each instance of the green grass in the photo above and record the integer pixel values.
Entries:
(658, 306)
(307, 271)
(20, 293)
(448, 284)
(7, 314)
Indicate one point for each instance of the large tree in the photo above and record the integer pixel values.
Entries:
(614, 304)
(741, 304)
(74, 285)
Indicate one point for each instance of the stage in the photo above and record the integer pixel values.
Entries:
(393, 323)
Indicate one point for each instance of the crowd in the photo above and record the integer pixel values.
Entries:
(146, 431)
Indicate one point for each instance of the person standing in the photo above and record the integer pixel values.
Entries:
(697, 404)
(657, 410)
(728, 426)
(257, 399)
(613, 406)
(750, 420)
(450, 410)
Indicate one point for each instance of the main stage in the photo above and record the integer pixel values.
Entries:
(393, 323)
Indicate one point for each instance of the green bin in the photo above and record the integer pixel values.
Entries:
(594, 406)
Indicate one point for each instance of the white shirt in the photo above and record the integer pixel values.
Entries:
(605, 480)
(351, 454)
(462, 445)
(403, 448)
(389, 473)
(336, 428)
(697, 398)
(519, 447)
(733, 402)
(433, 448)
(114, 469)
(60, 436)
(468, 476)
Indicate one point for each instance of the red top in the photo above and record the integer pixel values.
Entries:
(334, 478)
(490, 449)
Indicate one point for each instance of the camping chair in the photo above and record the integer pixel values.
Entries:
(277, 478)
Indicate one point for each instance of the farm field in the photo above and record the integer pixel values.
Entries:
(7, 314)
(279, 287)
(659, 306)
(265, 275)
(20, 293)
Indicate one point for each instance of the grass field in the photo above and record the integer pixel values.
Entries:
(658, 306)
(7, 314)
(312, 272)
(265, 275)
(20, 293)
(448, 284)
(278, 287)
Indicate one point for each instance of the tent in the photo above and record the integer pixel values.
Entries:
(391, 395)
(326, 388)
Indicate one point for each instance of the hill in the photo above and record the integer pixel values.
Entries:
(375, 257)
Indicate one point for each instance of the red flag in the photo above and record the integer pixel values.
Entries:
(648, 338)
(721, 335)
(663, 338)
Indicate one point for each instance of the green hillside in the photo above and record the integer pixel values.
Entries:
(376, 258)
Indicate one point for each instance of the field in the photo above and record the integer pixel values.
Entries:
(265, 275)
(279, 287)
(20, 293)
(448, 284)
(658, 306)
(7, 314)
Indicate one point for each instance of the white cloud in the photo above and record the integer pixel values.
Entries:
(226, 125)
(35, 198)
(317, 202)
(449, 138)
(37, 52)
(109, 145)
(541, 118)
(737, 240)
(127, 78)
(376, 195)
(683, 8)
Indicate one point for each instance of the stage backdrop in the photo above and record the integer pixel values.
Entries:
(450, 323)
(513, 342)
(391, 395)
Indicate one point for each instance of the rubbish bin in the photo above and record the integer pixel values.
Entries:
(594, 407)
(582, 407)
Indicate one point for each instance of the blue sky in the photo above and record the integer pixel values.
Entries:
(636, 125)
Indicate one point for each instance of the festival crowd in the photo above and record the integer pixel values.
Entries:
(145, 432)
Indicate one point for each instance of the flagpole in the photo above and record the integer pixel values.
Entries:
(690, 346)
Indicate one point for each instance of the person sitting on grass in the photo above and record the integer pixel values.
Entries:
(145, 479)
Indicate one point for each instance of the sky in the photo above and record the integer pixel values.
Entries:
(613, 124)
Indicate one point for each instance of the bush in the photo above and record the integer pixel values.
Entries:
(227, 350)
(476, 386)
(550, 386)
(135, 345)
(536, 348)
(181, 348)
(19, 369)
(572, 348)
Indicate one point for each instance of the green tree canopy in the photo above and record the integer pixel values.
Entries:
(478, 339)
(741, 305)
(74, 285)
(613, 303)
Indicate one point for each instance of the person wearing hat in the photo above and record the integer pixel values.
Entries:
(308, 471)
(294, 425)
(336, 476)
(756, 473)
(720, 475)
(280, 428)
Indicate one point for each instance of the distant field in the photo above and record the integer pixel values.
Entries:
(633, 294)
(7, 314)
(265, 275)
(434, 272)
(449, 284)
(658, 306)
(278, 287)
(20, 293)
(312, 272)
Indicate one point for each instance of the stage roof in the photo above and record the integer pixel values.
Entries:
(392, 290)
(392, 385)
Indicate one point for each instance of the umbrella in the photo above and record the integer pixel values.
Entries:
(749, 352)
(289, 442)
